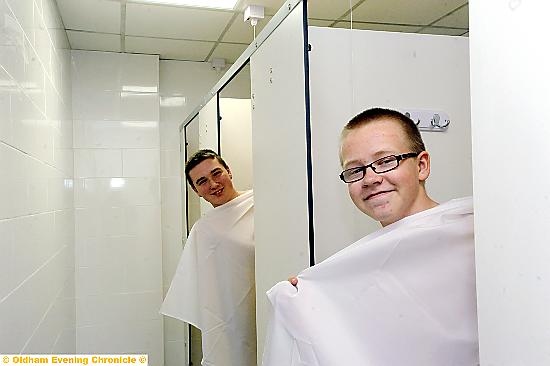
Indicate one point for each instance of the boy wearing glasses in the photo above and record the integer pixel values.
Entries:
(403, 295)
(385, 165)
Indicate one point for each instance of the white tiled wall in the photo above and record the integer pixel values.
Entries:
(37, 306)
(117, 204)
(113, 204)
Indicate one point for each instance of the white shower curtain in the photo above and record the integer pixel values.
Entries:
(401, 296)
(214, 287)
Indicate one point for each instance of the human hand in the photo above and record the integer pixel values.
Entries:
(293, 280)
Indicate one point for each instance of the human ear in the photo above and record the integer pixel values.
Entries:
(423, 166)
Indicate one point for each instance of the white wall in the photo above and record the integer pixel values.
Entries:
(36, 185)
(351, 71)
(510, 58)
(117, 204)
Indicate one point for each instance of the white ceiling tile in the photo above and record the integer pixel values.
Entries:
(329, 9)
(175, 22)
(443, 31)
(380, 27)
(170, 48)
(94, 41)
(242, 32)
(91, 15)
(458, 19)
(230, 52)
(404, 11)
(186, 33)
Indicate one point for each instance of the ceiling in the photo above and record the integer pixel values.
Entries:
(197, 34)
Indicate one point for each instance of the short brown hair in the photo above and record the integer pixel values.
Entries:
(198, 158)
(376, 114)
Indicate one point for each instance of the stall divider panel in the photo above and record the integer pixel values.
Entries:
(279, 161)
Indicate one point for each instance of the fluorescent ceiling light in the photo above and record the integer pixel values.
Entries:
(215, 4)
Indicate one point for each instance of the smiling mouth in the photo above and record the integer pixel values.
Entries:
(218, 192)
(374, 195)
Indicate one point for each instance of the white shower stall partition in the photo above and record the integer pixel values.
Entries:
(232, 137)
(303, 91)
(279, 161)
(347, 71)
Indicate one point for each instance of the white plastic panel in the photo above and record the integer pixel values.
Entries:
(208, 126)
(236, 140)
(279, 150)
(192, 145)
(190, 141)
(208, 135)
(354, 70)
(510, 77)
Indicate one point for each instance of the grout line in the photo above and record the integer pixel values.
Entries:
(90, 32)
(32, 274)
(55, 343)
(32, 45)
(44, 316)
(37, 214)
(35, 158)
(125, 293)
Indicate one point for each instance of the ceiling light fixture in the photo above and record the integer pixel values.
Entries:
(213, 4)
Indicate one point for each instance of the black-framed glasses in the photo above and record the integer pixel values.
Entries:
(379, 166)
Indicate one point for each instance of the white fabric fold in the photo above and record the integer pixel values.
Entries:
(214, 288)
(403, 295)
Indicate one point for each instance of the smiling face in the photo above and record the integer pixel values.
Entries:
(213, 182)
(390, 196)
